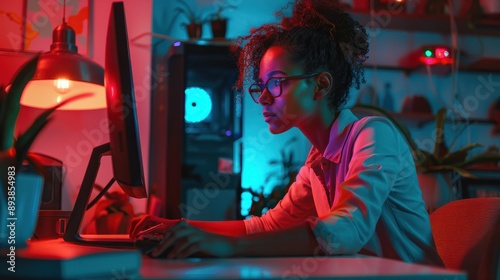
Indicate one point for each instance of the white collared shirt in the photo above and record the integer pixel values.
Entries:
(360, 195)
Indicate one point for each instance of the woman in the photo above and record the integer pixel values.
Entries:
(358, 190)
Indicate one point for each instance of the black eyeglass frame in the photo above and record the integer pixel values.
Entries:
(261, 87)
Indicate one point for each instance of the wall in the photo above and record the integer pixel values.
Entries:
(70, 136)
(466, 94)
(387, 46)
(259, 145)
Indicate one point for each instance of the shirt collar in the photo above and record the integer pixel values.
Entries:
(338, 136)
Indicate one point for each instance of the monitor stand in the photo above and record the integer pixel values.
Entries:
(72, 233)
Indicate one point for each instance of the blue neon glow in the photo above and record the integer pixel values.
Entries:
(198, 105)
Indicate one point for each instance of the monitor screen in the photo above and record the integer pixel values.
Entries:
(123, 130)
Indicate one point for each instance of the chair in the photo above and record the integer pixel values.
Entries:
(467, 236)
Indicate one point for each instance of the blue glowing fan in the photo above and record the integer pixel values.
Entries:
(198, 105)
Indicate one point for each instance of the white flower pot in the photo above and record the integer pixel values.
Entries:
(18, 218)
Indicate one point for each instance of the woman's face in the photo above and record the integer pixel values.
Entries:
(296, 103)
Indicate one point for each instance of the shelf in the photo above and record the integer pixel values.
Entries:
(419, 119)
(406, 119)
(484, 167)
(485, 64)
(472, 121)
(489, 25)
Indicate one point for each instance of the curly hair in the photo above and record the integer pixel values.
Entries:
(319, 36)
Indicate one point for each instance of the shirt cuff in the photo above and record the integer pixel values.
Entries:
(253, 225)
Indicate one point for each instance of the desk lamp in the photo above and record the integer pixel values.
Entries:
(62, 73)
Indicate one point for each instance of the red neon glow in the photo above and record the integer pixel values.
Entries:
(437, 55)
(442, 53)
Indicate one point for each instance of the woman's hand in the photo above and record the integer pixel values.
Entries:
(184, 240)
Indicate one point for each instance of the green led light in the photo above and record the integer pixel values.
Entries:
(428, 53)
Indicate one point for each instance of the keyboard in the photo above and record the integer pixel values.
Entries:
(144, 244)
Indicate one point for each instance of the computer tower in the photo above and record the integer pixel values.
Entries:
(52, 184)
(196, 126)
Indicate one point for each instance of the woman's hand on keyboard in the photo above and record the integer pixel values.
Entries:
(184, 240)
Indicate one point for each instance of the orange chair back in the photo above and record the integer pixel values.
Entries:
(467, 236)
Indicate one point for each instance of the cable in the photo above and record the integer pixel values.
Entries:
(154, 35)
(101, 193)
(455, 71)
(373, 46)
(433, 85)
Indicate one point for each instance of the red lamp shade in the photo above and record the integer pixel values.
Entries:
(62, 73)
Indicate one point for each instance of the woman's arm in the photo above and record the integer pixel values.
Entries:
(294, 241)
(228, 228)
(185, 240)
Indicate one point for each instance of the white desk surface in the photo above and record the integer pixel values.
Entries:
(339, 267)
(61, 254)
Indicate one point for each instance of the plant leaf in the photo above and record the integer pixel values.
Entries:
(3, 104)
(269, 177)
(188, 12)
(12, 103)
(428, 160)
(445, 168)
(457, 158)
(27, 141)
(482, 158)
(39, 168)
(7, 159)
(273, 162)
(283, 155)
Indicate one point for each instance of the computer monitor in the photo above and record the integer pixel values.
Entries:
(123, 132)
(124, 146)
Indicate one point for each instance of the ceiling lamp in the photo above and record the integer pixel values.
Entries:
(62, 73)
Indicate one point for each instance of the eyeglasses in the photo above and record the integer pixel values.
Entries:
(273, 86)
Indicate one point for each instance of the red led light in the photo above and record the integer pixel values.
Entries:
(436, 55)
(442, 53)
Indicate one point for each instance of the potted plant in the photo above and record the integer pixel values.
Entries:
(218, 23)
(435, 168)
(440, 159)
(194, 20)
(14, 152)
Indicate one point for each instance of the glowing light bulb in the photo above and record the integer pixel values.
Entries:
(62, 85)
(198, 105)
(428, 53)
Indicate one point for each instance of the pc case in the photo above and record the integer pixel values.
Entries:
(196, 126)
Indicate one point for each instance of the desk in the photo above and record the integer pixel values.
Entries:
(51, 259)
(339, 267)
